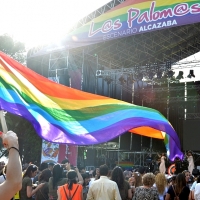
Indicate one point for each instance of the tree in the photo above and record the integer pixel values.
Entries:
(14, 49)
(30, 143)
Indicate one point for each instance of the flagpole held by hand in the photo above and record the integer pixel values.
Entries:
(3, 122)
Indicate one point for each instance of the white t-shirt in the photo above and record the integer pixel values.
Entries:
(2, 179)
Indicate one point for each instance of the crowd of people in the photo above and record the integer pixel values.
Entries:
(62, 181)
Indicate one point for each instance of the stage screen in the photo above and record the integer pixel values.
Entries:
(191, 135)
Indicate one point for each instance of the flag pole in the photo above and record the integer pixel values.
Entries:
(3, 122)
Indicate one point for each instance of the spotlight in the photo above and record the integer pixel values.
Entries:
(191, 74)
(180, 75)
(99, 73)
(170, 74)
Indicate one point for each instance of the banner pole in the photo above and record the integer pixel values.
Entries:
(3, 121)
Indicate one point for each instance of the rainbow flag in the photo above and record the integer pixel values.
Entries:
(64, 115)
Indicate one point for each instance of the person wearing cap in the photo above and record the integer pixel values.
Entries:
(13, 182)
(71, 190)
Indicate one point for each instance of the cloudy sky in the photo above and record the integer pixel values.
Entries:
(35, 22)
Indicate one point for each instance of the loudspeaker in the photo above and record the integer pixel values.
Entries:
(191, 135)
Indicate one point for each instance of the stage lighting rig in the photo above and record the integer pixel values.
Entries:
(191, 74)
(180, 75)
(170, 74)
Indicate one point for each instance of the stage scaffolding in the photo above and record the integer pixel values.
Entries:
(112, 69)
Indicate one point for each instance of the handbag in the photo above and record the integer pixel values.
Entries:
(70, 197)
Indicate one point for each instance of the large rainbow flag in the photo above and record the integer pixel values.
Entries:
(64, 115)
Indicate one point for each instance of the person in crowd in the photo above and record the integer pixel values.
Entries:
(161, 185)
(93, 177)
(3, 176)
(135, 181)
(13, 182)
(187, 176)
(27, 190)
(123, 186)
(71, 190)
(180, 190)
(141, 170)
(127, 174)
(190, 161)
(103, 188)
(42, 166)
(97, 175)
(178, 165)
(86, 179)
(195, 194)
(2, 165)
(50, 166)
(82, 170)
(109, 174)
(55, 181)
(42, 193)
(162, 167)
(67, 166)
(171, 180)
(146, 191)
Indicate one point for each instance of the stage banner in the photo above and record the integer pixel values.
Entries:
(70, 152)
(130, 18)
(50, 152)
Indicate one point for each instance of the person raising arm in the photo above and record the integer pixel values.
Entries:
(13, 182)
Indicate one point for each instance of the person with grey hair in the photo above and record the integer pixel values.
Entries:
(146, 191)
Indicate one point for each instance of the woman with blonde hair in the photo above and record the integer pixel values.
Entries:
(146, 191)
(161, 185)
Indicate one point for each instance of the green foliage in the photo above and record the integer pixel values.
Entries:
(30, 144)
(13, 48)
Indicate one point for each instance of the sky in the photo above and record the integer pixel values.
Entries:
(36, 22)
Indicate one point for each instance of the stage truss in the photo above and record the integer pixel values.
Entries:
(117, 64)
